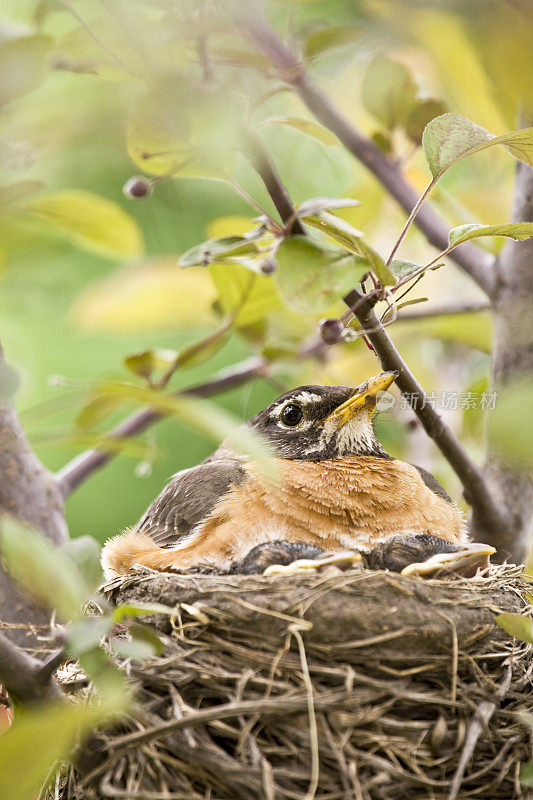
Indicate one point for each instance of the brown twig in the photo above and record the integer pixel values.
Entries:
(266, 170)
(468, 307)
(23, 676)
(291, 71)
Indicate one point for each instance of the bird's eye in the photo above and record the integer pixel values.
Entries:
(291, 415)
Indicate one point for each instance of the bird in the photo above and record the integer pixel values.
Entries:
(335, 489)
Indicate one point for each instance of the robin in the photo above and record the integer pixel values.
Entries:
(336, 489)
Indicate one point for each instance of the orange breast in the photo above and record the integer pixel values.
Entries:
(348, 502)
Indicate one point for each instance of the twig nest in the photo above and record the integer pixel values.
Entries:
(354, 685)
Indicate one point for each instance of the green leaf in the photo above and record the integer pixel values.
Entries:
(85, 552)
(518, 625)
(90, 221)
(526, 774)
(172, 131)
(51, 732)
(314, 206)
(103, 673)
(144, 633)
(349, 237)
(415, 301)
(45, 571)
(388, 91)
(213, 250)
(87, 634)
(197, 352)
(307, 126)
(147, 362)
(451, 137)
(383, 141)
(95, 410)
(402, 268)
(22, 65)
(139, 609)
(134, 650)
(336, 228)
(384, 274)
(330, 37)
(513, 230)
(312, 276)
(420, 114)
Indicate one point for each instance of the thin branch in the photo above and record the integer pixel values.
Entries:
(477, 494)
(410, 220)
(471, 476)
(291, 71)
(80, 468)
(266, 170)
(23, 676)
(443, 311)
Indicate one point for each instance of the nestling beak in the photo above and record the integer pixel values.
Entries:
(365, 397)
(465, 562)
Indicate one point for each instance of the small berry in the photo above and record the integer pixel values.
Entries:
(268, 266)
(137, 188)
(331, 330)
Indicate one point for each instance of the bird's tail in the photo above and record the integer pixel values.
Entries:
(122, 552)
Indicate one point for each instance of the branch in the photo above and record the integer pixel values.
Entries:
(24, 677)
(29, 493)
(290, 70)
(266, 170)
(80, 468)
(468, 307)
(494, 517)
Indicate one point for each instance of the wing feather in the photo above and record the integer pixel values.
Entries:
(189, 497)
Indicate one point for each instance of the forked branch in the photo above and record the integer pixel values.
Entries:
(290, 70)
(26, 680)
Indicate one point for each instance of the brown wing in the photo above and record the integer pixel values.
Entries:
(188, 498)
(433, 484)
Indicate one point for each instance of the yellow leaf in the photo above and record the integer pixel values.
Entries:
(235, 284)
(90, 221)
(155, 295)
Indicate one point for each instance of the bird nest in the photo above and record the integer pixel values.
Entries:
(361, 684)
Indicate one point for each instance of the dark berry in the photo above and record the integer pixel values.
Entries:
(137, 188)
(268, 266)
(331, 330)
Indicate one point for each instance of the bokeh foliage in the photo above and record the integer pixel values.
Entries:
(95, 92)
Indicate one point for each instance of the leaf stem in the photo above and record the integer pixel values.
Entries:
(410, 219)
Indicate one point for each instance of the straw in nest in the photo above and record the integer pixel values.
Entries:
(362, 685)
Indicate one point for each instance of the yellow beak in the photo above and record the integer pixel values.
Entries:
(466, 561)
(365, 396)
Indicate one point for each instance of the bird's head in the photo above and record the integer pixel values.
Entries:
(313, 423)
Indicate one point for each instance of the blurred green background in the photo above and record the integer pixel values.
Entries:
(69, 314)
